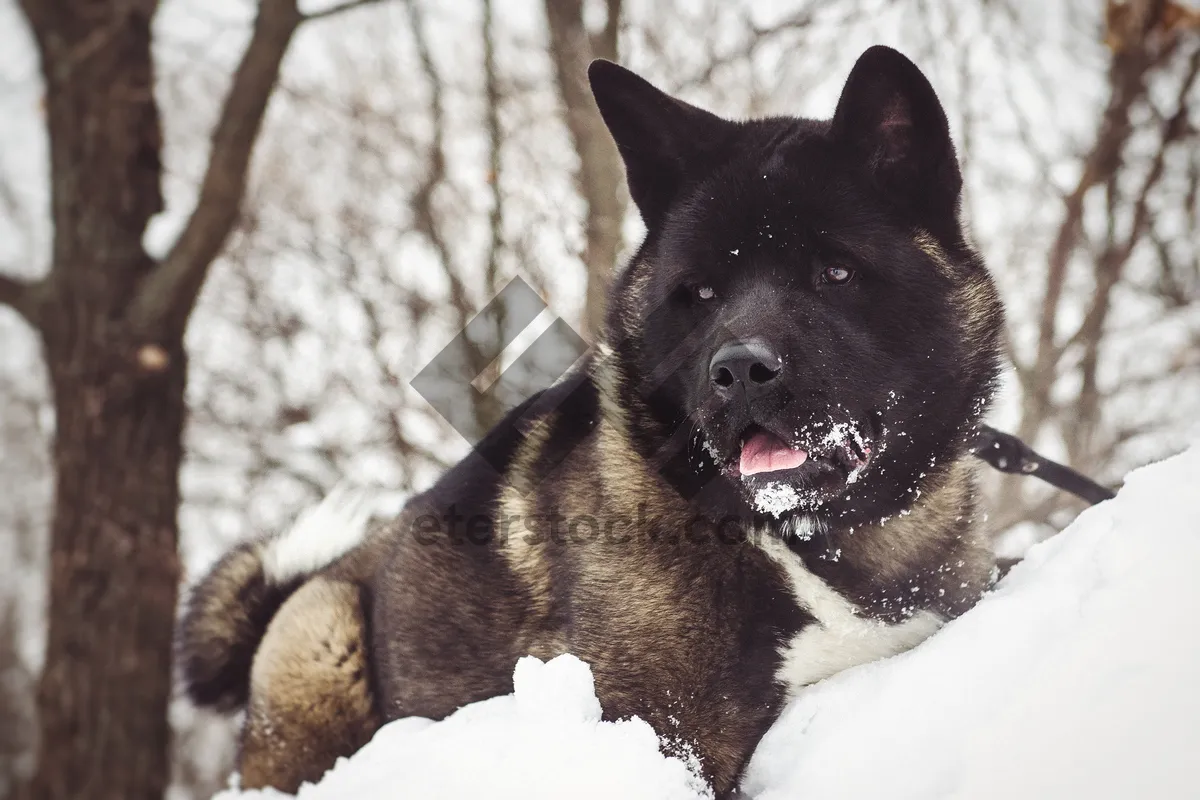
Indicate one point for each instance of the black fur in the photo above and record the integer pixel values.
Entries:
(685, 630)
(757, 214)
(609, 515)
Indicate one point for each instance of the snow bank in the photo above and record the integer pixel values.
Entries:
(545, 740)
(1079, 676)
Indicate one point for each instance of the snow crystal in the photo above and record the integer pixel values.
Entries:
(840, 432)
(776, 499)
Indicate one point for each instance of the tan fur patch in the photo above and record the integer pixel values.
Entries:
(310, 697)
(609, 380)
(975, 299)
(979, 307)
(637, 293)
(526, 558)
(934, 524)
(930, 247)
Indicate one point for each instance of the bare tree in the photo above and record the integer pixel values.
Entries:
(111, 321)
(1126, 168)
(599, 177)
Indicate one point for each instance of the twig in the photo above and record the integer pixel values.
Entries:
(338, 9)
(494, 142)
(423, 198)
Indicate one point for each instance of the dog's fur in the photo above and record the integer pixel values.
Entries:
(607, 516)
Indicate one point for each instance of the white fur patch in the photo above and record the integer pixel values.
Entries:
(802, 526)
(842, 637)
(319, 536)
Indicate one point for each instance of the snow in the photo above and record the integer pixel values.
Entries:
(544, 740)
(776, 498)
(1075, 677)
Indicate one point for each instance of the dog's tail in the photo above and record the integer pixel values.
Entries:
(228, 611)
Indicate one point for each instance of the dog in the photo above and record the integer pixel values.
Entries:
(759, 476)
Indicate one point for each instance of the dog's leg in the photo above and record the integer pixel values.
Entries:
(310, 692)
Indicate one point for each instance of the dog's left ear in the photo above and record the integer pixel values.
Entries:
(890, 119)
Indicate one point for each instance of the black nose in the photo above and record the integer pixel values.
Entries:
(753, 363)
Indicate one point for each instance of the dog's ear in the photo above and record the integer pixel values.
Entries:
(659, 137)
(890, 119)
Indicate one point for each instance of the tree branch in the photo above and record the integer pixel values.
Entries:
(1127, 84)
(423, 197)
(1110, 269)
(12, 291)
(494, 141)
(19, 296)
(338, 9)
(759, 36)
(604, 41)
(167, 294)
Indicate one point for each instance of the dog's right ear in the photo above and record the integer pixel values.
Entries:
(659, 137)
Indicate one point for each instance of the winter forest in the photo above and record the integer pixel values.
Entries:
(231, 234)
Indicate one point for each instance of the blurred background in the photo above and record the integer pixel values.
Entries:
(414, 156)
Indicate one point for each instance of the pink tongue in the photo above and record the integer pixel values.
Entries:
(762, 452)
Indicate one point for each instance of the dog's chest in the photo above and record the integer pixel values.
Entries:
(842, 636)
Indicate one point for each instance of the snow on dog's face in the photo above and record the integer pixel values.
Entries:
(804, 324)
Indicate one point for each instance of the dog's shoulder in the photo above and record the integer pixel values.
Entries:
(521, 449)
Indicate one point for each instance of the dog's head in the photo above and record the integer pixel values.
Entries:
(805, 330)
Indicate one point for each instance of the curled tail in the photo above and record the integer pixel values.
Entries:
(228, 611)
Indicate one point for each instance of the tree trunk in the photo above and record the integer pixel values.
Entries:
(114, 568)
(112, 321)
(599, 177)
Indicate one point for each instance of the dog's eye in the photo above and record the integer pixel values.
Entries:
(703, 293)
(837, 275)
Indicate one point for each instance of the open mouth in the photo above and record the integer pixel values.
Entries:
(781, 475)
(842, 449)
